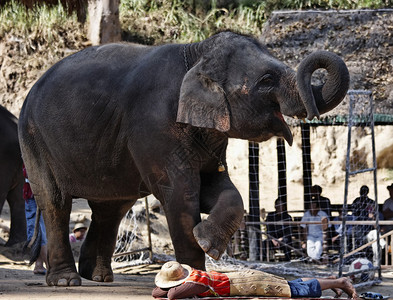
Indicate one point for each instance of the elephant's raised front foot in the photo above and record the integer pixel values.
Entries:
(66, 277)
(97, 270)
(211, 240)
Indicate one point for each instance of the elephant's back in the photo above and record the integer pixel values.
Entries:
(73, 116)
(101, 82)
(82, 111)
(82, 79)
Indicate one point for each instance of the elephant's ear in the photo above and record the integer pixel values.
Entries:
(202, 101)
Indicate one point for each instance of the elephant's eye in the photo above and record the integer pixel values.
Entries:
(266, 78)
(266, 81)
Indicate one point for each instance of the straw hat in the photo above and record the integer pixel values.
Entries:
(172, 274)
(79, 226)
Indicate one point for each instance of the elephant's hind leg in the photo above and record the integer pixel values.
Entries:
(18, 218)
(97, 249)
(61, 270)
(55, 204)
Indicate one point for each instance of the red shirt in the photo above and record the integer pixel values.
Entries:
(27, 192)
(199, 283)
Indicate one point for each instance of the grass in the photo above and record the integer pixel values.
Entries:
(159, 21)
(179, 21)
(42, 25)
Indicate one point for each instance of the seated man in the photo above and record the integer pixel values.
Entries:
(363, 209)
(387, 209)
(178, 281)
(324, 203)
(78, 233)
(279, 235)
(339, 232)
(312, 236)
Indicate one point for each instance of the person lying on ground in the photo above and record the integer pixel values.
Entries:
(178, 281)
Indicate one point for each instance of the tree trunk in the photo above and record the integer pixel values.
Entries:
(104, 23)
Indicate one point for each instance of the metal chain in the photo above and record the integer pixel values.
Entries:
(185, 57)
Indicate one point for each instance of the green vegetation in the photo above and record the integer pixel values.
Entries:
(175, 21)
(159, 21)
(389, 176)
(152, 21)
(49, 26)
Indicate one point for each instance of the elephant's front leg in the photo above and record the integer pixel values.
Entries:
(220, 198)
(182, 210)
(97, 249)
(182, 216)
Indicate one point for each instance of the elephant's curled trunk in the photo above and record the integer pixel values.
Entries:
(320, 99)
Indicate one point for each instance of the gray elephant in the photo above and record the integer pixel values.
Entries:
(117, 122)
(11, 176)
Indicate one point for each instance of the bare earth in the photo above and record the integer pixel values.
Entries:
(17, 280)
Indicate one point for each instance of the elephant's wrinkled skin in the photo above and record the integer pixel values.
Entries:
(11, 176)
(117, 122)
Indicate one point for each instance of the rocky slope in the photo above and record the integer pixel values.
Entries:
(363, 38)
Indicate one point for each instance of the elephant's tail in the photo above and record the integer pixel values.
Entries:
(34, 245)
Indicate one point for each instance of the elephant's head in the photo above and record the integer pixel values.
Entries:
(238, 88)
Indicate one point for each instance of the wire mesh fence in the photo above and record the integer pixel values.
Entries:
(343, 238)
(291, 221)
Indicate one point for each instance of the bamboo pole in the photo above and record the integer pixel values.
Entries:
(363, 246)
(290, 247)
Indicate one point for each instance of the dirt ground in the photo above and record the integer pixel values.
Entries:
(17, 280)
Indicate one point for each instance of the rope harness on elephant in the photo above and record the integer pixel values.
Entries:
(185, 57)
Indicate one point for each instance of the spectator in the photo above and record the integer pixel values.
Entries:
(179, 281)
(363, 209)
(373, 236)
(78, 233)
(338, 230)
(313, 233)
(279, 235)
(324, 203)
(30, 211)
(263, 219)
(387, 209)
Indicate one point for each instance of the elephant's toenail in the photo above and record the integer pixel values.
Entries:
(214, 254)
(62, 282)
(75, 282)
(204, 244)
(97, 278)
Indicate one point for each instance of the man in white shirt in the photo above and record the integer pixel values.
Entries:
(313, 233)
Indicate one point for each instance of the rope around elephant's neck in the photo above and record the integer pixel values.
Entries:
(221, 167)
(185, 57)
(202, 144)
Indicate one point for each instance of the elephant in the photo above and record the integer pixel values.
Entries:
(11, 176)
(117, 122)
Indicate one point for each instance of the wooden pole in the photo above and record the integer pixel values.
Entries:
(290, 247)
(254, 212)
(282, 172)
(306, 155)
(363, 246)
(148, 229)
